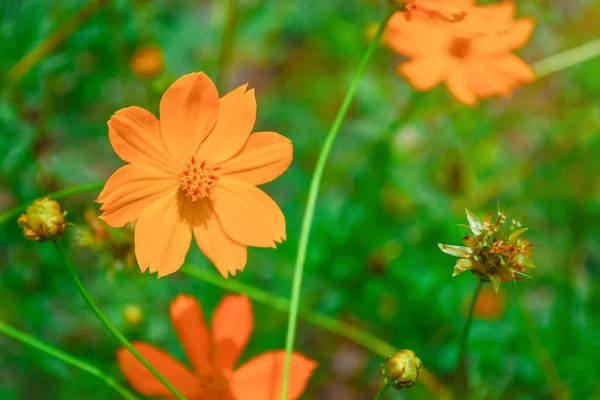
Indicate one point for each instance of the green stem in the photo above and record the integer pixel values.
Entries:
(69, 359)
(384, 389)
(462, 348)
(312, 199)
(12, 213)
(227, 44)
(567, 58)
(111, 327)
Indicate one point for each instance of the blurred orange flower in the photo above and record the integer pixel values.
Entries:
(473, 65)
(489, 305)
(147, 61)
(213, 355)
(195, 170)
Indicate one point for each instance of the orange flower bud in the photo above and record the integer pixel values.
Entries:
(147, 62)
(42, 221)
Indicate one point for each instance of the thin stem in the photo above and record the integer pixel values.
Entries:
(384, 389)
(69, 359)
(227, 44)
(567, 58)
(358, 336)
(462, 348)
(13, 212)
(111, 327)
(312, 200)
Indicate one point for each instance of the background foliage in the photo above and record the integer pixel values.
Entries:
(403, 170)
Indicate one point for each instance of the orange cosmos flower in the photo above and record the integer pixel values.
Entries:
(213, 355)
(473, 66)
(195, 170)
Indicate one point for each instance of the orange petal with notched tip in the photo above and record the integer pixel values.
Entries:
(188, 320)
(424, 73)
(188, 112)
(227, 255)
(513, 67)
(247, 214)
(415, 38)
(130, 190)
(134, 134)
(516, 37)
(264, 157)
(146, 383)
(456, 81)
(236, 118)
(163, 234)
(483, 81)
(232, 325)
(262, 376)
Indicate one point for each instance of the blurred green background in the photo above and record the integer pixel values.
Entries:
(403, 170)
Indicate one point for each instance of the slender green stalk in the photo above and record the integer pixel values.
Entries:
(567, 58)
(111, 327)
(12, 213)
(462, 347)
(69, 359)
(312, 200)
(382, 392)
(330, 324)
(227, 45)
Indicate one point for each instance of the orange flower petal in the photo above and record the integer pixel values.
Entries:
(415, 38)
(227, 255)
(424, 73)
(513, 39)
(514, 68)
(134, 134)
(265, 156)
(248, 215)
(231, 327)
(188, 112)
(236, 118)
(146, 383)
(163, 235)
(130, 190)
(456, 81)
(484, 81)
(188, 320)
(262, 376)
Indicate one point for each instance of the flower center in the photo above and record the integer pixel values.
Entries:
(198, 179)
(460, 47)
(214, 385)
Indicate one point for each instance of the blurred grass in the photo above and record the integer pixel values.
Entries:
(391, 192)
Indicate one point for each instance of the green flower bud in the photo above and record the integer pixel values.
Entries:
(402, 369)
(42, 221)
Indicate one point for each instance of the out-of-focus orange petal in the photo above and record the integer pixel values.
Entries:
(264, 157)
(456, 81)
(514, 68)
(236, 118)
(262, 376)
(134, 134)
(484, 81)
(146, 383)
(163, 235)
(188, 112)
(415, 38)
(130, 190)
(425, 73)
(188, 320)
(232, 325)
(513, 39)
(227, 255)
(248, 215)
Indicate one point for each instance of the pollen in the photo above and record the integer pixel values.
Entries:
(199, 179)
(460, 47)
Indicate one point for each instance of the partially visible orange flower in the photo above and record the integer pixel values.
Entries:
(473, 65)
(195, 171)
(213, 355)
(489, 305)
(147, 61)
(437, 10)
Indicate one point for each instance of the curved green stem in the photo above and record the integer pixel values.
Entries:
(13, 212)
(384, 389)
(567, 58)
(69, 359)
(462, 348)
(111, 327)
(312, 200)
(227, 45)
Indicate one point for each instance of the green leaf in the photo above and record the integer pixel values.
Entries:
(474, 223)
(524, 261)
(457, 251)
